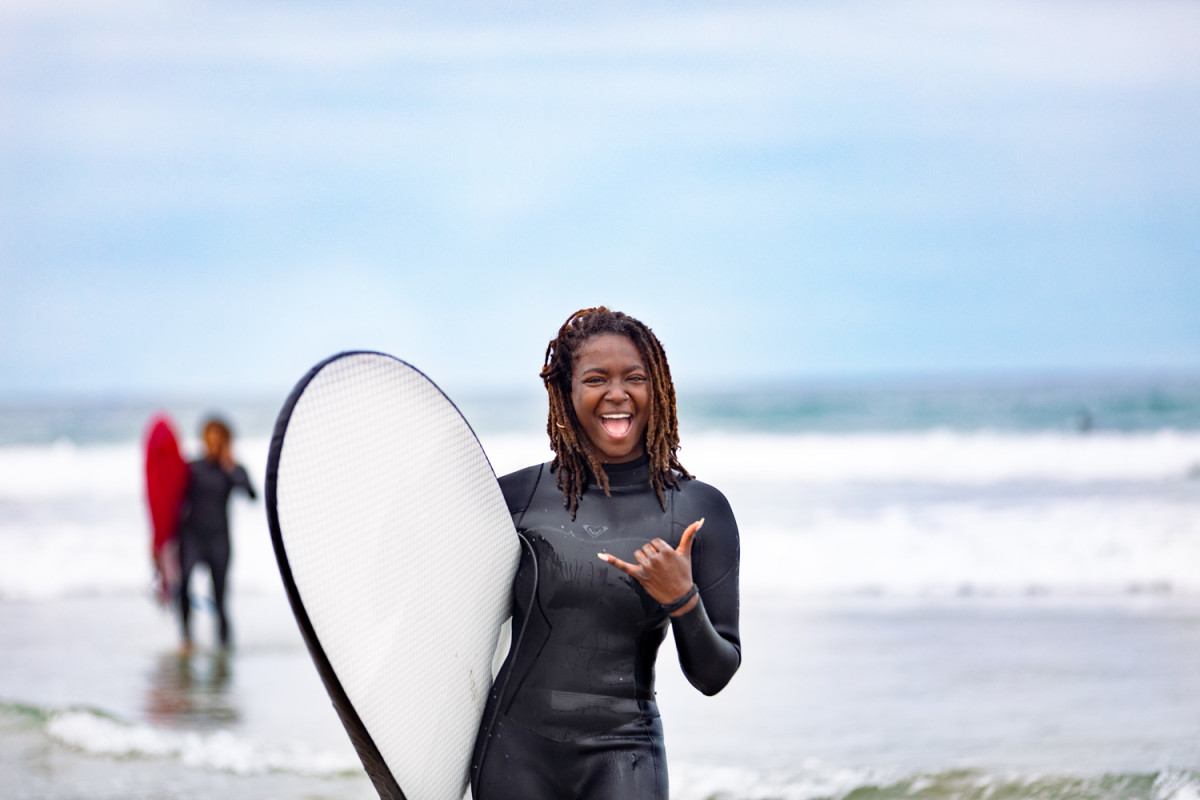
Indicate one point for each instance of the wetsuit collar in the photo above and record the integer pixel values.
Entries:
(630, 473)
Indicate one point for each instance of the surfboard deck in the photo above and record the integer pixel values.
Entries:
(398, 553)
(167, 477)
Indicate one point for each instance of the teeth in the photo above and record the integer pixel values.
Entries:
(617, 425)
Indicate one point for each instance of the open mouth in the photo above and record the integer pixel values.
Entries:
(616, 425)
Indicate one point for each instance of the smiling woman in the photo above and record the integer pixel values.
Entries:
(572, 712)
(593, 348)
(610, 395)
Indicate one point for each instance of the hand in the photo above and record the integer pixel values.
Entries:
(226, 457)
(665, 572)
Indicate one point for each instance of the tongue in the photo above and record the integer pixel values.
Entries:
(617, 428)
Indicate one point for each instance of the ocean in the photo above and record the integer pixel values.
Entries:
(971, 588)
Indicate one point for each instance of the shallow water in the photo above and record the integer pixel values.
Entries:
(941, 599)
(861, 698)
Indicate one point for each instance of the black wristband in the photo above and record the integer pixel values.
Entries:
(675, 605)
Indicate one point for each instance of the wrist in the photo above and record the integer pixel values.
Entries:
(684, 601)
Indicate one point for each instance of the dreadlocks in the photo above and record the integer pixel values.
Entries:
(574, 456)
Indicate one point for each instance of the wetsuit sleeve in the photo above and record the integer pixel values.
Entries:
(241, 480)
(707, 637)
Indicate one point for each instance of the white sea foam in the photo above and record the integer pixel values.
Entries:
(73, 520)
(218, 750)
(914, 513)
(64, 471)
(942, 457)
(1176, 785)
(1086, 546)
(812, 780)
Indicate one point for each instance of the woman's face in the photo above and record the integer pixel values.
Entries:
(610, 390)
(214, 441)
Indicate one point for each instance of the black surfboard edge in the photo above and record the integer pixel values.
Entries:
(372, 760)
(368, 753)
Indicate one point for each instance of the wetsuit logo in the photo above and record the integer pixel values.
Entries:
(595, 530)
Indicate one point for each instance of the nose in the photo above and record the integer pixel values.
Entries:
(616, 391)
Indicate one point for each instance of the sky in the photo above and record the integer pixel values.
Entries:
(212, 197)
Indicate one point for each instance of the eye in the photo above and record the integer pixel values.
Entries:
(593, 381)
(636, 379)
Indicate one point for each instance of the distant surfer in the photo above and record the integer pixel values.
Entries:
(572, 713)
(204, 523)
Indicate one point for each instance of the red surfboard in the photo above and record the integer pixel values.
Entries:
(167, 477)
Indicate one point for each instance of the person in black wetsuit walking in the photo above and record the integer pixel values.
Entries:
(204, 523)
(572, 713)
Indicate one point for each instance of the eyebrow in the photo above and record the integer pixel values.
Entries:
(602, 370)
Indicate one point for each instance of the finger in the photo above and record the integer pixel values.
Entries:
(660, 545)
(628, 569)
(642, 557)
(685, 541)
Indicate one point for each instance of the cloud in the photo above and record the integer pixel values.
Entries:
(868, 163)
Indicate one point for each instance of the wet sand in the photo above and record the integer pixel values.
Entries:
(863, 689)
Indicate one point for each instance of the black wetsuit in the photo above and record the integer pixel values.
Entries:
(573, 706)
(204, 534)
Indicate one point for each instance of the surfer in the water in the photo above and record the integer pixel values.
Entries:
(204, 523)
(572, 713)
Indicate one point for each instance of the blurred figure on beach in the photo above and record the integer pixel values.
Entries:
(204, 523)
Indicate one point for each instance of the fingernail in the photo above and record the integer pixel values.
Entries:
(701, 525)
(602, 556)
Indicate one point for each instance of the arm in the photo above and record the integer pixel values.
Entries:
(706, 626)
(235, 471)
(706, 635)
(710, 649)
(242, 481)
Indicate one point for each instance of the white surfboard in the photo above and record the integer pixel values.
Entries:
(398, 554)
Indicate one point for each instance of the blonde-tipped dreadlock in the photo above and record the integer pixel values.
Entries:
(574, 456)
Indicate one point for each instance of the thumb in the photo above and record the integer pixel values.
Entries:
(685, 541)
